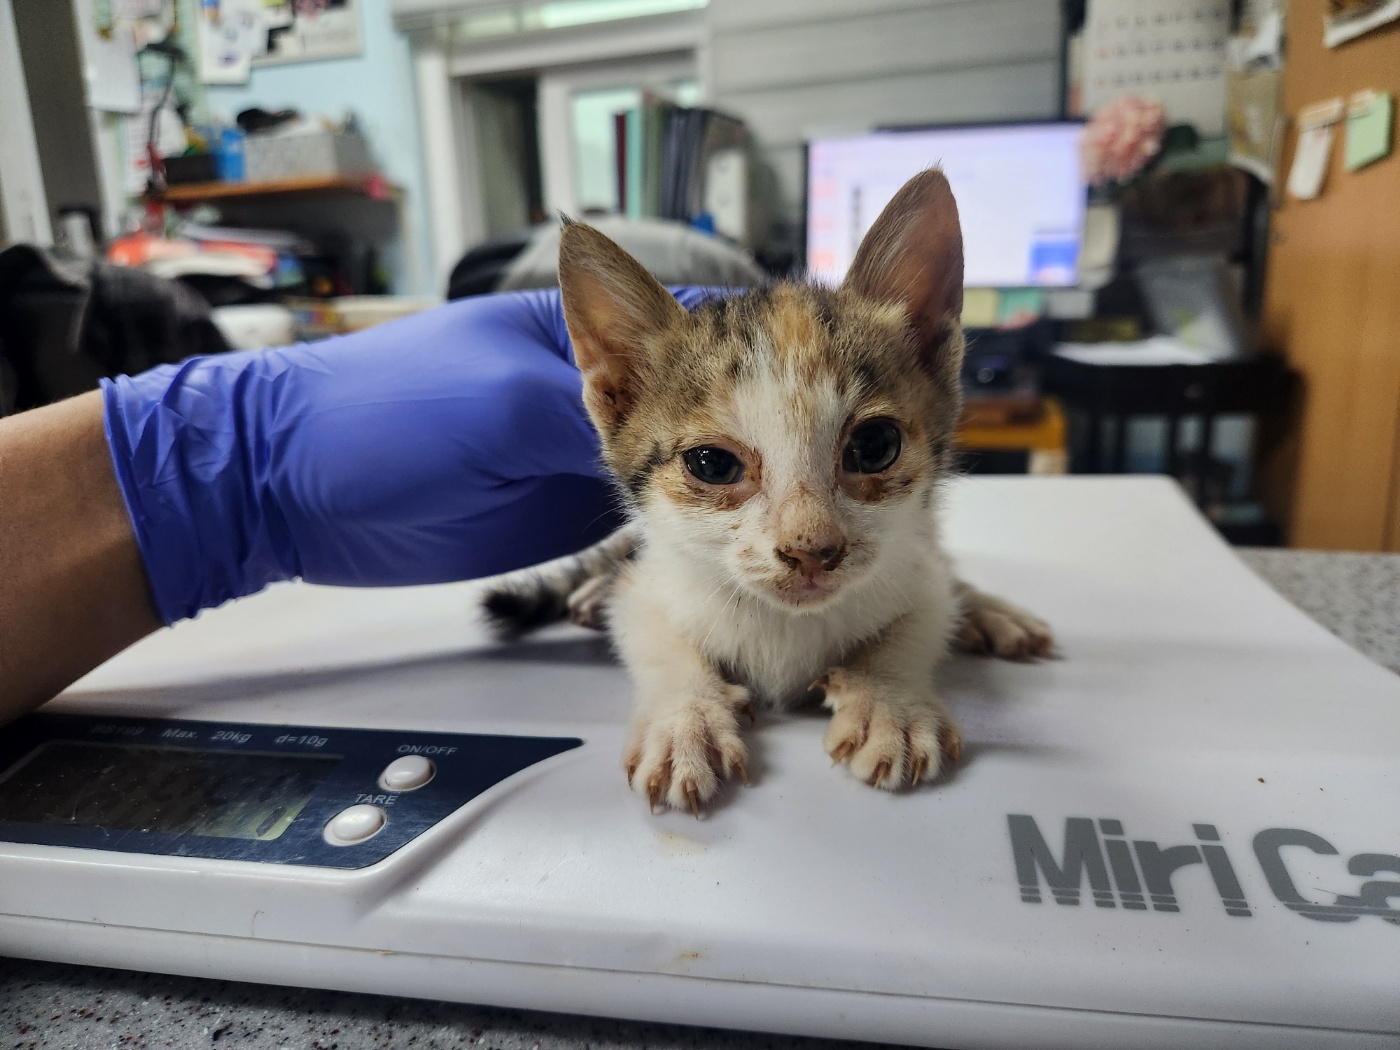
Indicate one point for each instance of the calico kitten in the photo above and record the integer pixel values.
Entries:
(781, 453)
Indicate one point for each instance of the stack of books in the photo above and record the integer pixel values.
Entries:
(663, 151)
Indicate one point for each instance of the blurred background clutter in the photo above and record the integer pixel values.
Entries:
(1182, 217)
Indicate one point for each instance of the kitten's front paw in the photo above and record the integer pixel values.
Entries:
(993, 627)
(885, 744)
(588, 603)
(680, 756)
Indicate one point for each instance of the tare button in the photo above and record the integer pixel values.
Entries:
(407, 773)
(354, 825)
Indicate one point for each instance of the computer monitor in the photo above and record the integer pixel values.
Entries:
(1020, 190)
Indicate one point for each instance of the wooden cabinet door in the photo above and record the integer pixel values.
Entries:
(1332, 304)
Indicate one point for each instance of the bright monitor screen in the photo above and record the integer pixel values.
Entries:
(1020, 190)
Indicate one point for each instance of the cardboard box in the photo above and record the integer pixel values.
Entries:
(305, 154)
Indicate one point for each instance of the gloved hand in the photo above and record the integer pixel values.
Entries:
(446, 446)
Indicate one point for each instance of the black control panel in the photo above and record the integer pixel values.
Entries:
(272, 794)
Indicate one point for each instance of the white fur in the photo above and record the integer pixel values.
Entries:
(778, 652)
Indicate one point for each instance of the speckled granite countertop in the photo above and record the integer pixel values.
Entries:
(44, 1006)
(1355, 596)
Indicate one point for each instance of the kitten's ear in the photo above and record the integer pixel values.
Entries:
(913, 256)
(613, 309)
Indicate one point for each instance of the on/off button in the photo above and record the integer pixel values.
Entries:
(407, 773)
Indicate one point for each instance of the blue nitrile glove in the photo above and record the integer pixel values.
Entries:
(446, 446)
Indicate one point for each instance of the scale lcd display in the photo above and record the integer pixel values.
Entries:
(1020, 190)
(219, 794)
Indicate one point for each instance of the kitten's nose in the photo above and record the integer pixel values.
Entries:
(817, 555)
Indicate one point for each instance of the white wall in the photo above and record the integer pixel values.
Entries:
(794, 67)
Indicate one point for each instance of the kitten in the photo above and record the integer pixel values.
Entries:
(781, 453)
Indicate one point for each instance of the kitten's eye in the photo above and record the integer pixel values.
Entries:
(714, 466)
(871, 448)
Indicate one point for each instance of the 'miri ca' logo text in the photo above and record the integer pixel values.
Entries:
(1132, 873)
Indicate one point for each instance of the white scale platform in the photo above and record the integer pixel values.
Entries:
(1188, 695)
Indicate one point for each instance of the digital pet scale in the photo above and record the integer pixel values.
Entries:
(1185, 832)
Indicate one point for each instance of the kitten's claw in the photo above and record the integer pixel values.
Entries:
(887, 744)
(679, 757)
(950, 742)
(920, 769)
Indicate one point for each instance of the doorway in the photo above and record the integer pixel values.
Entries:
(545, 143)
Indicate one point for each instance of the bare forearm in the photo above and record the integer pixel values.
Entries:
(72, 588)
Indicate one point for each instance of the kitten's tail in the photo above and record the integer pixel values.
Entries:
(575, 588)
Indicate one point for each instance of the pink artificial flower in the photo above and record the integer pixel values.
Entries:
(1121, 138)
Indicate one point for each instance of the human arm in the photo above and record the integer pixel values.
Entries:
(73, 590)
